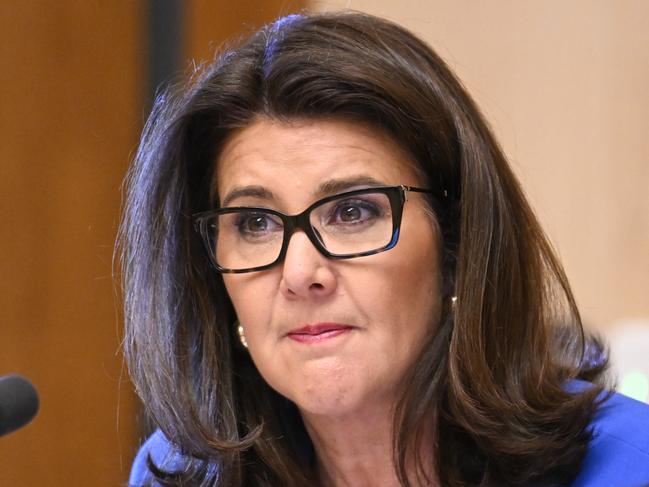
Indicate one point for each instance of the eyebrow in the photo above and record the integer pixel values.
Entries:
(254, 191)
(329, 187)
(333, 186)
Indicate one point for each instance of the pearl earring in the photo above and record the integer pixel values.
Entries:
(242, 336)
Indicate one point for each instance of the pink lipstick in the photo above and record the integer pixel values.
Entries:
(318, 332)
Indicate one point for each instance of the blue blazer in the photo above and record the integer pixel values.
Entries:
(618, 455)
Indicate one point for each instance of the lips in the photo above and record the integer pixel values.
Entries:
(318, 332)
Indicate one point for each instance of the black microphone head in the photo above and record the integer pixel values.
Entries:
(18, 403)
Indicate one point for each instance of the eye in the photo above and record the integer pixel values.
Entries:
(353, 212)
(350, 213)
(257, 224)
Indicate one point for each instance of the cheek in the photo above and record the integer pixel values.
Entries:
(250, 297)
(417, 275)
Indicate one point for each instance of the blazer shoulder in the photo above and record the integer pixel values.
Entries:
(164, 455)
(618, 454)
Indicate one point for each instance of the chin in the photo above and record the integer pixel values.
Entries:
(334, 406)
(335, 397)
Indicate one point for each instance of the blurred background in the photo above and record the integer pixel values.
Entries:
(564, 85)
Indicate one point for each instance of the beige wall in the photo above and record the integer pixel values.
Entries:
(565, 86)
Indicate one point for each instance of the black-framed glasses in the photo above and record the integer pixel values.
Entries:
(343, 226)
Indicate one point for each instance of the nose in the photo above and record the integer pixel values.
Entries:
(306, 273)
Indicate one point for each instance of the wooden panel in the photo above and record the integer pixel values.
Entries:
(70, 113)
(209, 24)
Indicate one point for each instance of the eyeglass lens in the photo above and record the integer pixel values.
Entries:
(347, 225)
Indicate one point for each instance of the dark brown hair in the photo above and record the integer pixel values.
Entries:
(496, 374)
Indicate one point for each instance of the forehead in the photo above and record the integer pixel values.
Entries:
(297, 158)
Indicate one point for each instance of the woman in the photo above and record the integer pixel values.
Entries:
(333, 278)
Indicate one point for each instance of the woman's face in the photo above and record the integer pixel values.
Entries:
(380, 307)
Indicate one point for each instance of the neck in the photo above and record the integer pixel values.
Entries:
(356, 450)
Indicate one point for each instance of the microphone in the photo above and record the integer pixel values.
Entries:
(18, 403)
